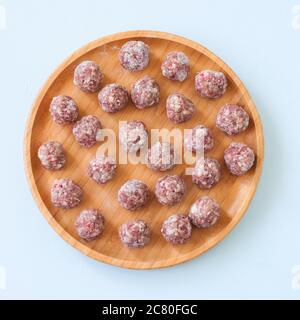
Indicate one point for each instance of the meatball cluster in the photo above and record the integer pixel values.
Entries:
(170, 189)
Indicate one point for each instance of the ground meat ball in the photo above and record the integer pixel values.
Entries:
(52, 155)
(101, 169)
(133, 136)
(232, 119)
(177, 229)
(145, 92)
(133, 195)
(87, 131)
(64, 110)
(134, 55)
(89, 224)
(239, 158)
(65, 194)
(170, 189)
(205, 212)
(179, 108)
(199, 139)
(135, 234)
(113, 97)
(176, 66)
(161, 157)
(210, 84)
(207, 173)
(88, 76)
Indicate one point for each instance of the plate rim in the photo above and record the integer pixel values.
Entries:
(77, 244)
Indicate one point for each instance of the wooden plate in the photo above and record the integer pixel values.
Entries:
(234, 194)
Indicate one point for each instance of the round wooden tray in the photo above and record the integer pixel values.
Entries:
(233, 194)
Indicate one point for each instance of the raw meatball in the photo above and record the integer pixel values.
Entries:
(52, 155)
(65, 194)
(64, 110)
(134, 55)
(89, 224)
(179, 108)
(113, 97)
(205, 212)
(133, 136)
(177, 229)
(87, 131)
(199, 139)
(101, 169)
(232, 119)
(145, 92)
(88, 76)
(210, 84)
(161, 157)
(239, 158)
(207, 173)
(170, 189)
(176, 66)
(135, 234)
(133, 195)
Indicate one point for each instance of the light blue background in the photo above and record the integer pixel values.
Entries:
(257, 39)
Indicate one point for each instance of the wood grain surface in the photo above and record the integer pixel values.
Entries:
(234, 194)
